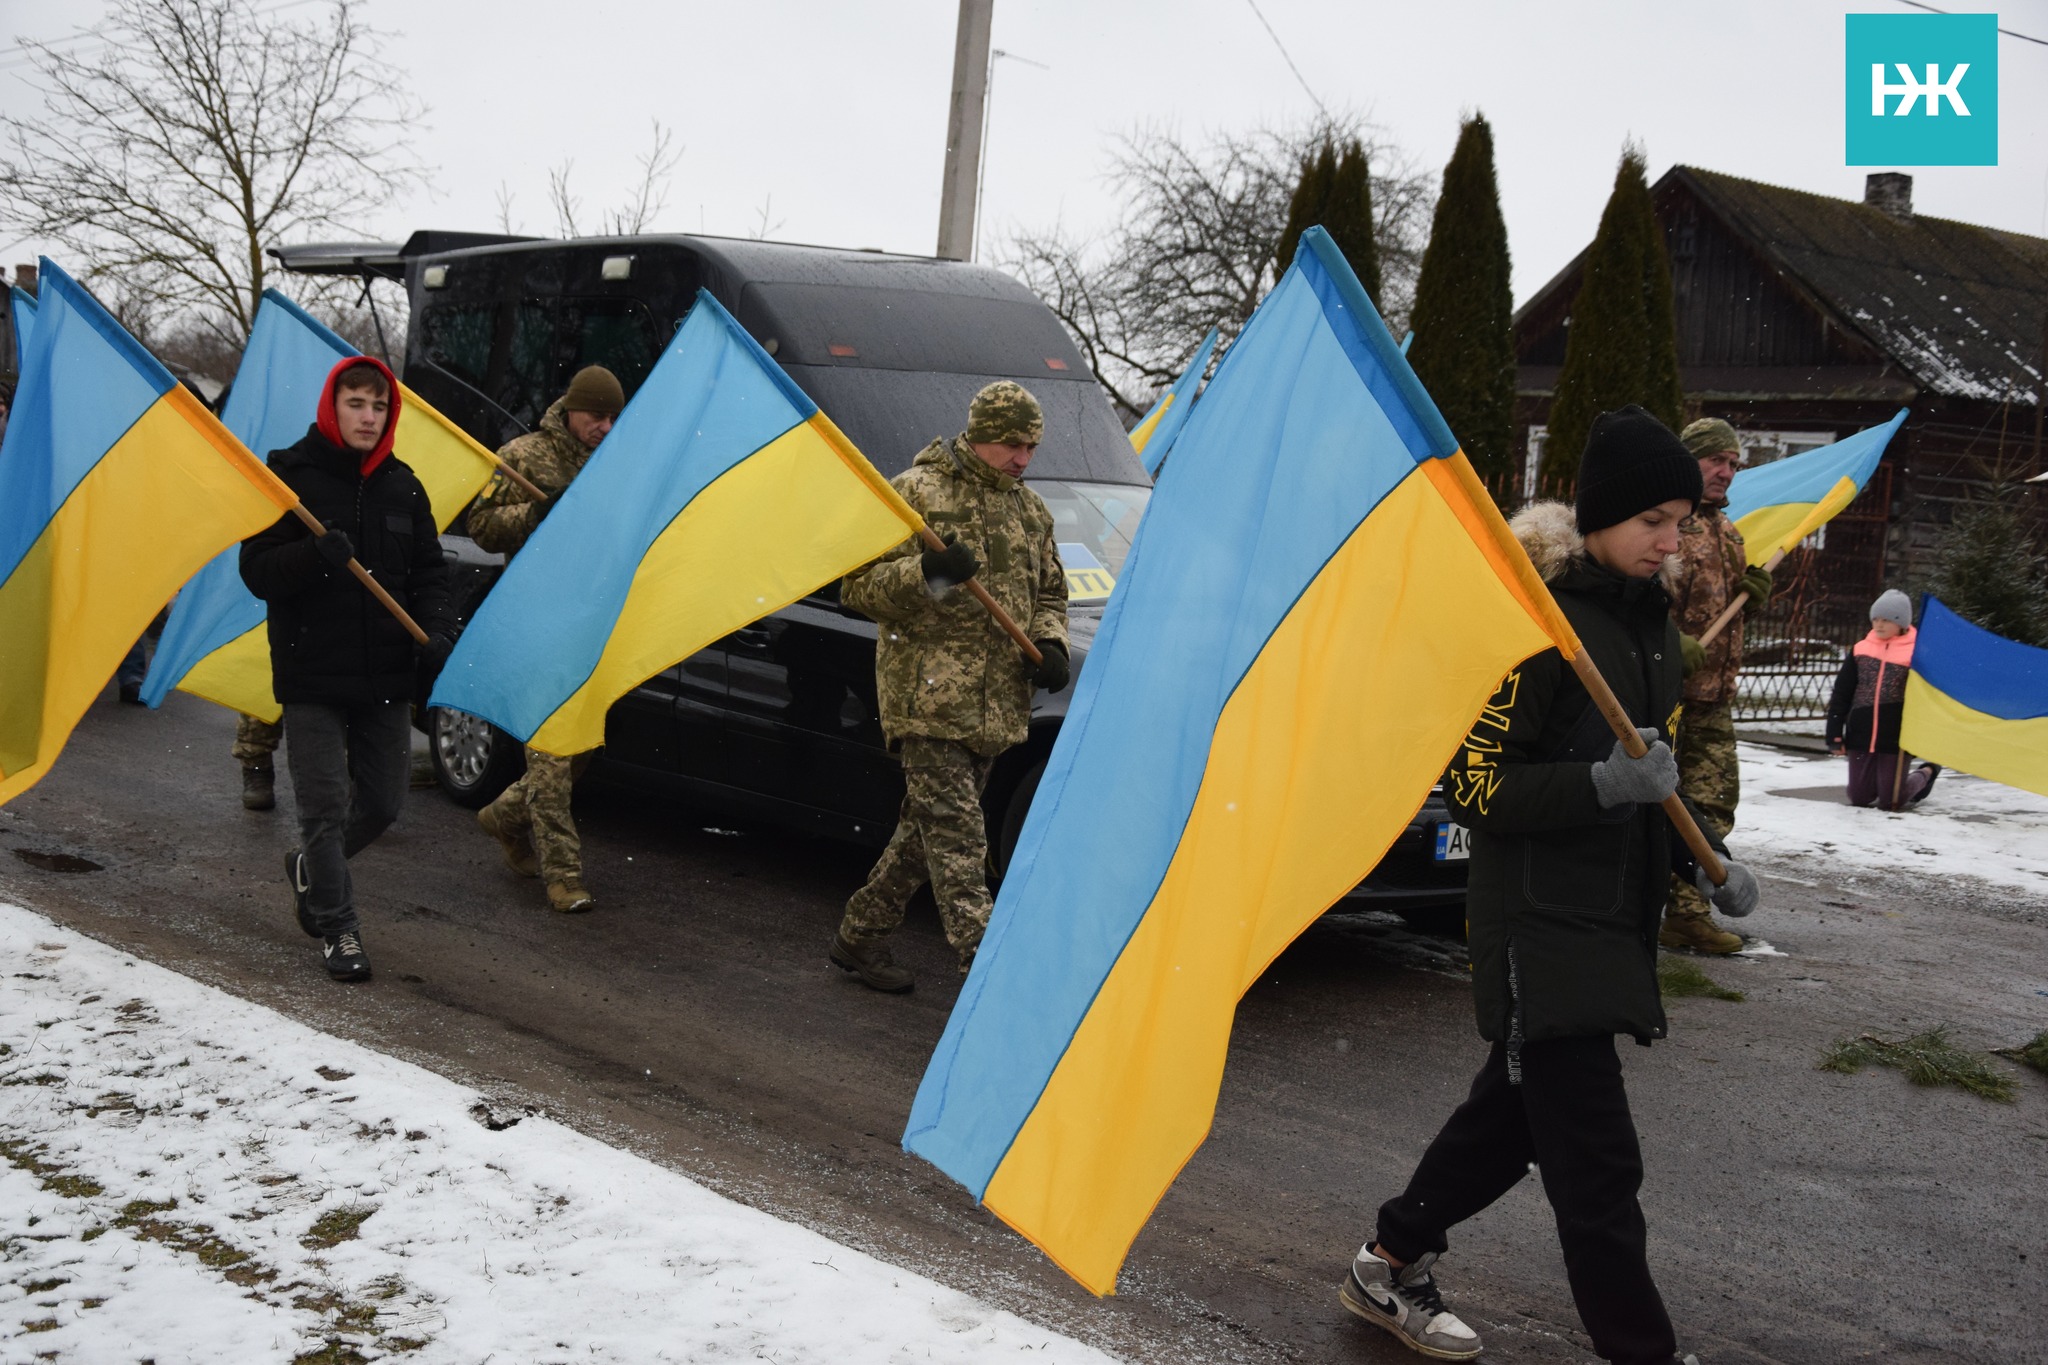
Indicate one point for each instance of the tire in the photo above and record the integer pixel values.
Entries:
(1013, 819)
(473, 759)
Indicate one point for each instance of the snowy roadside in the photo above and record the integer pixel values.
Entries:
(1793, 810)
(188, 1177)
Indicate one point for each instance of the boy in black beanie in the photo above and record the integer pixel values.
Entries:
(1571, 856)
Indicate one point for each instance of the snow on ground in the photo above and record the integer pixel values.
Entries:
(188, 1177)
(1794, 807)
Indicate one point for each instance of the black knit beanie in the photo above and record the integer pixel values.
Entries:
(1632, 463)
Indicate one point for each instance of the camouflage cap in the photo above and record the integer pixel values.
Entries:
(1005, 414)
(1709, 436)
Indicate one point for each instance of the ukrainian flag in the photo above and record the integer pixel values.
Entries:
(1154, 436)
(1316, 609)
(115, 484)
(1977, 702)
(1779, 504)
(723, 494)
(214, 645)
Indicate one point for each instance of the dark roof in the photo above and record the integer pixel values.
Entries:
(1960, 307)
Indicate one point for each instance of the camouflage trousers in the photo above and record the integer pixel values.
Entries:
(538, 805)
(256, 740)
(1710, 777)
(940, 837)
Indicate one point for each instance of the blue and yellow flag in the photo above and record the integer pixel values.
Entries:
(1977, 702)
(1779, 504)
(115, 484)
(215, 645)
(1316, 609)
(1153, 437)
(723, 494)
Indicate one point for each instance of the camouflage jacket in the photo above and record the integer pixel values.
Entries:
(943, 668)
(1711, 559)
(503, 515)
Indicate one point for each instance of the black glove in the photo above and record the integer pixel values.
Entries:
(336, 548)
(434, 654)
(1052, 671)
(1756, 581)
(954, 564)
(1693, 652)
(543, 507)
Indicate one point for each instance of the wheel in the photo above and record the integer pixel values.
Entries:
(1013, 818)
(473, 759)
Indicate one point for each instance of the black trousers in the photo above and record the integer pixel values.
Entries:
(349, 767)
(1570, 1117)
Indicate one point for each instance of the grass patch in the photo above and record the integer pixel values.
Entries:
(139, 1216)
(40, 1325)
(335, 1352)
(1927, 1058)
(22, 1156)
(43, 1286)
(337, 1226)
(2033, 1054)
(1677, 977)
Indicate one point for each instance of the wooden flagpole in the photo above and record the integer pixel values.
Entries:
(995, 608)
(1632, 745)
(363, 576)
(1736, 608)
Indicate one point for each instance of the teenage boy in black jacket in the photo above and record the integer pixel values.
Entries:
(341, 665)
(1571, 859)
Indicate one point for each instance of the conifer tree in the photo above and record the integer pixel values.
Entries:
(1991, 576)
(1622, 345)
(1464, 352)
(1336, 193)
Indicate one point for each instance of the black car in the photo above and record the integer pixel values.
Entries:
(779, 720)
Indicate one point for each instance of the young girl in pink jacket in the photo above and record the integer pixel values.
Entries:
(1866, 706)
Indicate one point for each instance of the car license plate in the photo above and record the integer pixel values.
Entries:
(1453, 841)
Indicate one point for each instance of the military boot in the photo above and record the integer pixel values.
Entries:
(872, 963)
(570, 898)
(517, 847)
(259, 786)
(1698, 933)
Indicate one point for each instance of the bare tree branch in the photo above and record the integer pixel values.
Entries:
(1197, 246)
(196, 134)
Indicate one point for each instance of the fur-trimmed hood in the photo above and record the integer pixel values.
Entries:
(1549, 533)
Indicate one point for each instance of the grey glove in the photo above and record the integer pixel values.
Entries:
(1734, 898)
(1619, 780)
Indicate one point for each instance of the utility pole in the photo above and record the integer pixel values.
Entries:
(963, 130)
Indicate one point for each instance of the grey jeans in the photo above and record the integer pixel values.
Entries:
(349, 767)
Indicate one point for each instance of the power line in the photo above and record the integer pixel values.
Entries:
(1285, 58)
(2025, 38)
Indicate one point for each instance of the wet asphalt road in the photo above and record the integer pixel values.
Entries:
(1795, 1215)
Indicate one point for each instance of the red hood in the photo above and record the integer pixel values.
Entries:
(331, 428)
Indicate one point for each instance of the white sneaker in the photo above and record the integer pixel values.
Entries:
(1406, 1303)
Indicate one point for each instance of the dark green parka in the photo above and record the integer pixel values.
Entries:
(1564, 898)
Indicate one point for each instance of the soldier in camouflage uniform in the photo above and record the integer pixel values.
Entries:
(256, 744)
(531, 820)
(955, 691)
(1713, 569)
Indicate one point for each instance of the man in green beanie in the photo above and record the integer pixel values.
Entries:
(955, 691)
(531, 820)
(1713, 569)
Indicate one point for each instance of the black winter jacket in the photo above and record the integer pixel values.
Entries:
(1564, 899)
(330, 641)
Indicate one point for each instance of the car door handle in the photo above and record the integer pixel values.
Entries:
(754, 637)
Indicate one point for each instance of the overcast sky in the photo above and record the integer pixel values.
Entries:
(827, 121)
